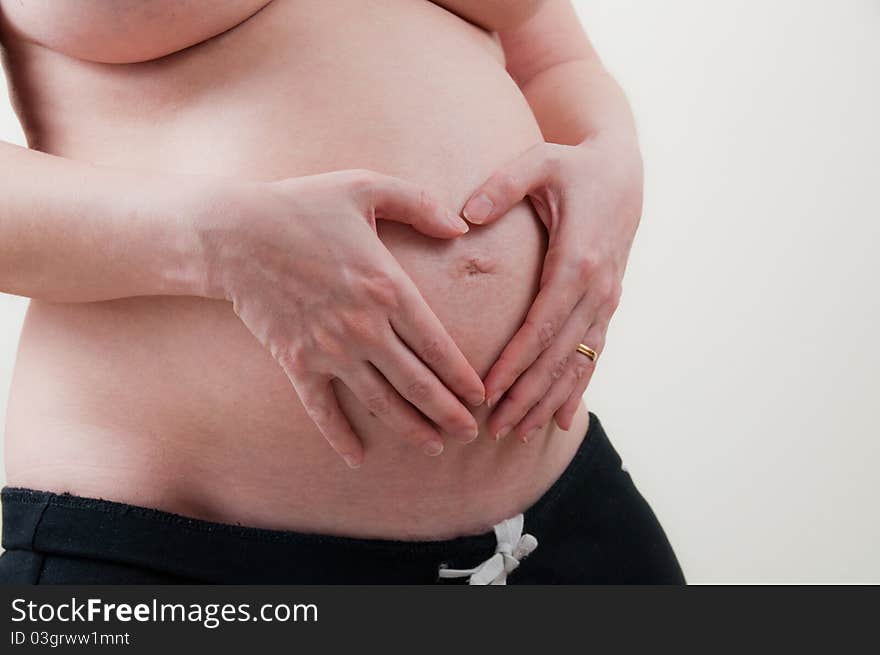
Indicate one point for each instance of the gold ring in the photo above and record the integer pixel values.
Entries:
(586, 350)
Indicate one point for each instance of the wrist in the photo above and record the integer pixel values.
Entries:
(621, 154)
(196, 215)
(622, 143)
(224, 215)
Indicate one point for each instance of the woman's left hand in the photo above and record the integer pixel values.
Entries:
(589, 197)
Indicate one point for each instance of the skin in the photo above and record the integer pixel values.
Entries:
(184, 282)
(356, 317)
(586, 185)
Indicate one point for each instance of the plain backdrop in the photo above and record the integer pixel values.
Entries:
(740, 379)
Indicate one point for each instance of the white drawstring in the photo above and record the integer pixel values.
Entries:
(513, 546)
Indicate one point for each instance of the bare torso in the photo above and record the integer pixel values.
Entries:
(169, 401)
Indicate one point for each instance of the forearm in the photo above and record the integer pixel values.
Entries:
(73, 232)
(571, 94)
(577, 101)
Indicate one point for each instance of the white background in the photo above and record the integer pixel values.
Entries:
(740, 378)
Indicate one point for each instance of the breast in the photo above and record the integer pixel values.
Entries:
(122, 31)
(302, 87)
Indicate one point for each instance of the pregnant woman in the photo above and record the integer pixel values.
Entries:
(263, 344)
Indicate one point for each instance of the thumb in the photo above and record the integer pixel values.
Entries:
(508, 186)
(394, 199)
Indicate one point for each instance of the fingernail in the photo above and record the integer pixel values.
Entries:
(469, 434)
(493, 399)
(503, 432)
(352, 461)
(478, 208)
(477, 399)
(528, 435)
(433, 448)
(457, 222)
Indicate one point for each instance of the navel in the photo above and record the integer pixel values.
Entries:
(475, 265)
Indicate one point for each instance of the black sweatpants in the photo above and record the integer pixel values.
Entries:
(592, 527)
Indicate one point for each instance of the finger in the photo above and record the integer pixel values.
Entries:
(394, 199)
(420, 329)
(418, 384)
(579, 367)
(319, 399)
(383, 402)
(508, 186)
(584, 370)
(549, 369)
(550, 310)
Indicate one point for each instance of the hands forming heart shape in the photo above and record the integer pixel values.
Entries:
(339, 310)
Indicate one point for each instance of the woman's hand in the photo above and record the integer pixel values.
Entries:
(307, 274)
(590, 198)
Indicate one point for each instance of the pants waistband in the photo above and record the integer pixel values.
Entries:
(204, 551)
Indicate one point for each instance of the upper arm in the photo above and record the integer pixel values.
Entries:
(551, 36)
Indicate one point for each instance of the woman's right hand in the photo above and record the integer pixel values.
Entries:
(302, 264)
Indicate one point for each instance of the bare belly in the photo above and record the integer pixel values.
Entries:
(170, 402)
